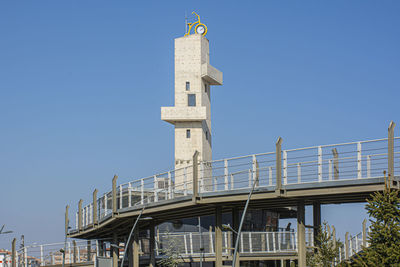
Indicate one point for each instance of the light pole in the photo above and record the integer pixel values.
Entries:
(241, 223)
(130, 235)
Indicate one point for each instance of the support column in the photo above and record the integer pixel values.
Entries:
(301, 233)
(13, 253)
(130, 253)
(195, 177)
(136, 247)
(94, 213)
(278, 165)
(391, 150)
(316, 219)
(89, 251)
(80, 214)
(101, 248)
(364, 233)
(115, 251)
(114, 194)
(152, 245)
(218, 237)
(75, 250)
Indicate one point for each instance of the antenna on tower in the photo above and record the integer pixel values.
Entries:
(186, 22)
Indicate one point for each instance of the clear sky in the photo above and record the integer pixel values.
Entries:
(82, 83)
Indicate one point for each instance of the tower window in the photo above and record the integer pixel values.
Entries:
(191, 100)
(205, 88)
(188, 133)
(187, 86)
(206, 135)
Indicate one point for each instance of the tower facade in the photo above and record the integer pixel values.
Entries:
(191, 114)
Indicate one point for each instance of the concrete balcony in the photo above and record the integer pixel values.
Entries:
(211, 74)
(180, 114)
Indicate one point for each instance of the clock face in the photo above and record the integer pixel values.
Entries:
(200, 29)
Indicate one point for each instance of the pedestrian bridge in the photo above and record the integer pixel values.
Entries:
(335, 173)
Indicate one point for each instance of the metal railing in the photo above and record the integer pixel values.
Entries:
(186, 244)
(325, 163)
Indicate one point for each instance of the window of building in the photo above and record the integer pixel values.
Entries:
(191, 100)
(206, 135)
(187, 86)
(205, 88)
(188, 133)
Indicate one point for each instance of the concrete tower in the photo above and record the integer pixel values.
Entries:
(191, 114)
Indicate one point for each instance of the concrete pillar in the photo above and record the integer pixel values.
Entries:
(152, 245)
(218, 237)
(89, 251)
(94, 213)
(80, 214)
(364, 233)
(391, 150)
(75, 250)
(13, 253)
(346, 246)
(195, 177)
(278, 165)
(114, 194)
(301, 233)
(235, 224)
(130, 253)
(316, 219)
(115, 251)
(136, 247)
(335, 164)
(101, 248)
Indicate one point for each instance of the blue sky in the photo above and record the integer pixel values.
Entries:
(82, 83)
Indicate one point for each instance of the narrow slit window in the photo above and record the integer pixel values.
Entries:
(206, 135)
(187, 86)
(188, 133)
(191, 100)
(205, 88)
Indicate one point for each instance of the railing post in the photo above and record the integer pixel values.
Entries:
(364, 233)
(114, 194)
(212, 182)
(369, 166)
(80, 215)
(250, 178)
(335, 164)
(285, 166)
(129, 194)
(278, 165)
(298, 172)
(391, 150)
(13, 253)
(120, 196)
(169, 185)
(185, 181)
(255, 168)
(319, 164)
(66, 220)
(105, 204)
(226, 173)
(195, 177)
(270, 175)
(141, 191)
(155, 182)
(359, 161)
(346, 246)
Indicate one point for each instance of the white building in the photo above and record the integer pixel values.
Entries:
(191, 114)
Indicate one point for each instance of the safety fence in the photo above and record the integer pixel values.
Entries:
(185, 244)
(310, 165)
